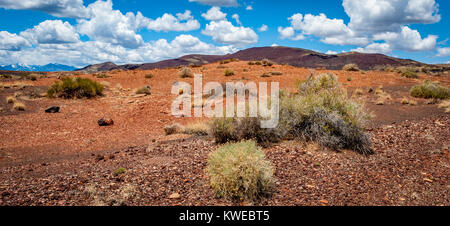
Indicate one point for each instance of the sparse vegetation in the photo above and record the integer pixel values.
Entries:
(430, 90)
(267, 63)
(351, 67)
(148, 76)
(239, 171)
(251, 63)
(266, 75)
(75, 88)
(321, 112)
(186, 72)
(229, 73)
(349, 79)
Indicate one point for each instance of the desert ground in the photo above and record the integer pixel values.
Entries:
(67, 159)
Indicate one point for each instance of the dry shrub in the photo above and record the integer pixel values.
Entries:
(229, 73)
(359, 92)
(247, 128)
(143, 90)
(239, 171)
(173, 129)
(186, 72)
(405, 101)
(323, 112)
(276, 73)
(148, 76)
(351, 67)
(430, 90)
(267, 63)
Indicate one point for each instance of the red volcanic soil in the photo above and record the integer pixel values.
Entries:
(67, 159)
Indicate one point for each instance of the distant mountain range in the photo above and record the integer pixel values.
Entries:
(281, 55)
(43, 68)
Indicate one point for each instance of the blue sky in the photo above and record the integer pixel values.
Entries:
(78, 33)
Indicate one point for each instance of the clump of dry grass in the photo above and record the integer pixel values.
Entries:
(186, 72)
(196, 128)
(351, 67)
(446, 105)
(143, 90)
(405, 101)
(10, 100)
(239, 171)
(359, 92)
(19, 106)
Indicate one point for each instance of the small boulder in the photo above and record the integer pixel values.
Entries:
(53, 109)
(105, 122)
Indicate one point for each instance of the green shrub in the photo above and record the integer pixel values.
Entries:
(410, 74)
(75, 88)
(429, 90)
(351, 67)
(239, 171)
(229, 73)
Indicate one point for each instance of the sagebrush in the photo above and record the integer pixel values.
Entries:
(239, 171)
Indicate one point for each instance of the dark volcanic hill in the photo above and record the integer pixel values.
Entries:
(281, 55)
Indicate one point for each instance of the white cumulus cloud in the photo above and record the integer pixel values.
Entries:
(182, 22)
(12, 42)
(443, 52)
(58, 8)
(214, 14)
(217, 2)
(226, 33)
(51, 32)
